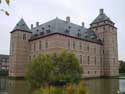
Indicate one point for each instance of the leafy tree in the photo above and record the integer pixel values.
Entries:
(67, 67)
(54, 69)
(122, 67)
(40, 71)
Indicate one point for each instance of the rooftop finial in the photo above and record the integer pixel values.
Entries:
(101, 11)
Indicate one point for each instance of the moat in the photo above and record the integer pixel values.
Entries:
(94, 86)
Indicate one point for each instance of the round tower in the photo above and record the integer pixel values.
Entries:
(107, 32)
(19, 49)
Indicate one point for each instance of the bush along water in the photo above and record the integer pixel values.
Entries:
(70, 88)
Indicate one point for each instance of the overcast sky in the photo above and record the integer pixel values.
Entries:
(45, 10)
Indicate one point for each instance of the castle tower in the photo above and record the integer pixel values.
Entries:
(107, 32)
(19, 49)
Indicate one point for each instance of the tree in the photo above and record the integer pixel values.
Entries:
(40, 71)
(54, 68)
(67, 67)
(122, 67)
(3, 10)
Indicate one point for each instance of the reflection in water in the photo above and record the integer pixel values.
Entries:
(17, 87)
(3, 86)
(94, 86)
(102, 86)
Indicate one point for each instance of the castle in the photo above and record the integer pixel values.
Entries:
(95, 47)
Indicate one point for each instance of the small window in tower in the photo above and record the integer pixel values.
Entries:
(37, 30)
(24, 36)
(23, 24)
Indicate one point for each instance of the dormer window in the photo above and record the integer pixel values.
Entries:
(41, 33)
(78, 34)
(37, 30)
(69, 27)
(36, 35)
(67, 31)
(78, 29)
(48, 31)
(23, 24)
(49, 26)
(43, 28)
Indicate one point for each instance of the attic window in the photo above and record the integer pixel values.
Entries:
(78, 34)
(49, 26)
(43, 28)
(23, 24)
(48, 31)
(41, 33)
(36, 35)
(37, 30)
(69, 27)
(67, 31)
(78, 29)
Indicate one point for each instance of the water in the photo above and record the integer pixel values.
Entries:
(94, 86)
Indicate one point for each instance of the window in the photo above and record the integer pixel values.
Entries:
(95, 50)
(88, 72)
(34, 46)
(46, 44)
(88, 59)
(40, 44)
(95, 72)
(103, 51)
(88, 48)
(73, 44)
(24, 36)
(49, 26)
(95, 60)
(80, 59)
(80, 45)
(69, 43)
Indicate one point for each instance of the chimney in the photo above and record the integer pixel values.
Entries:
(68, 19)
(31, 26)
(83, 24)
(101, 11)
(37, 23)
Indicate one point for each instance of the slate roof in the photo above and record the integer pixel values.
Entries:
(21, 25)
(101, 17)
(66, 28)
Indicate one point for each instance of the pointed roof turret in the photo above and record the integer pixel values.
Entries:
(21, 25)
(101, 17)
